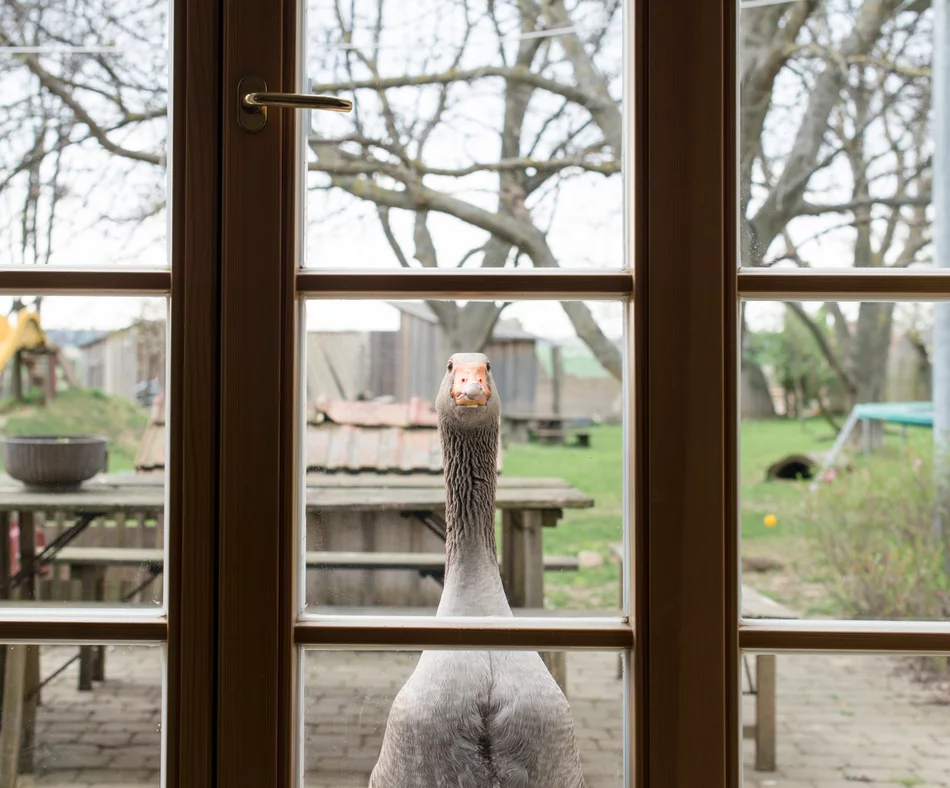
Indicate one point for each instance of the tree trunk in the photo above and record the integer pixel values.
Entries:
(465, 329)
(872, 342)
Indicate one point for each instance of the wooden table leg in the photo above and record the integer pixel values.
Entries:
(507, 552)
(11, 731)
(765, 713)
(523, 573)
(87, 578)
(523, 558)
(4, 584)
(99, 652)
(27, 592)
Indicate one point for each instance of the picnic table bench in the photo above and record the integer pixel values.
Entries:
(546, 428)
(762, 685)
(91, 563)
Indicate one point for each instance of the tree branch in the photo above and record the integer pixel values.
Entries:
(517, 74)
(383, 213)
(54, 86)
(813, 209)
(606, 112)
(362, 167)
(776, 209)
(826, 350)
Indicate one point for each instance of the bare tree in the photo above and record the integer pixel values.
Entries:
(835, 154)
(518, 84)
(483, 128)
(83, 129)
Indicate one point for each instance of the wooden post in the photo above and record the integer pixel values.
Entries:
(532, 559)
(507, 552)
(4, 580)
(87, 667)
(99, 652)
(13, 677)
(51, 375)
(523, 573)
(522, 559)
(32, 677)
(765, 713)
(557, 378)
(17, 372)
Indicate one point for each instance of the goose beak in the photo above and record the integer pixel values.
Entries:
(470, 385)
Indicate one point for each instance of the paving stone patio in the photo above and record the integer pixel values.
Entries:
(842, 720)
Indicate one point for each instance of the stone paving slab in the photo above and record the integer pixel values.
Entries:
(846, 720)
(842, 721)
(108, 737)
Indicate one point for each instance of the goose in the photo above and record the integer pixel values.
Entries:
(476, 719)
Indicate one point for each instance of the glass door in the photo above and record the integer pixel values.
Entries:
(108, 206)
(473, 201)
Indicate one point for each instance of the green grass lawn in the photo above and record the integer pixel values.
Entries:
(764, 442)
(799, 579)
(85, 412)
(597, 472)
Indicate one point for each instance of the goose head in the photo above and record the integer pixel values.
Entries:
(467, 398)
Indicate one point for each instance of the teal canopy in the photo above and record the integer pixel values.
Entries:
(920, 414)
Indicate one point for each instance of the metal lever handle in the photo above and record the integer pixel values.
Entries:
(253, 101)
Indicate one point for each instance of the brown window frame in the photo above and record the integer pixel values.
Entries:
(185, 627)
(232, 643)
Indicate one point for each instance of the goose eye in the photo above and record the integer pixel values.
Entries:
(488, 366)
(450, 366)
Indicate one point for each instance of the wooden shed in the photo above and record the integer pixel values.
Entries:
(400, 365)
(129, 362)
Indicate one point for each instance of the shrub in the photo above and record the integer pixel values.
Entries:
(876, 542)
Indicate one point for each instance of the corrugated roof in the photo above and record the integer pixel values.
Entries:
(349, 448)
(344, 437)
(415, 413)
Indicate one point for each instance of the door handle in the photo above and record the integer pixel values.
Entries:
(254, 99)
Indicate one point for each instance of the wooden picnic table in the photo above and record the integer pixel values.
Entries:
(527, 505)
(545, 427)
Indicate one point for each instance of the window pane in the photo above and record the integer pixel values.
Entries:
(98, 722)
(844, 498)
(842, 719)
(84, 124)
(348, 697)
(836, 135)
(481, 129)
(377, 521)
(82, 427)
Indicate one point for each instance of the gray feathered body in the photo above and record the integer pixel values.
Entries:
(476, 719)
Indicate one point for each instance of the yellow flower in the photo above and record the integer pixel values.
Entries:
(770, 520)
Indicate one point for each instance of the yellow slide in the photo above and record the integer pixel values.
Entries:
(26, 335)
